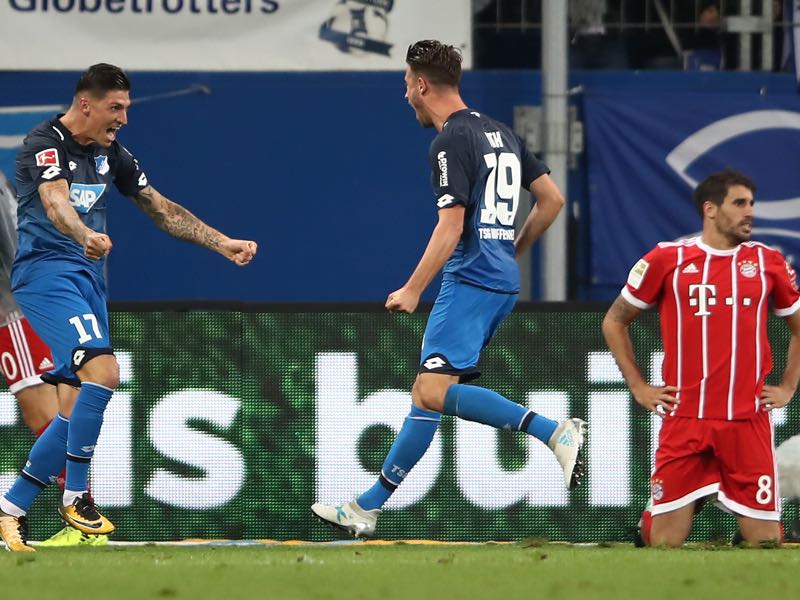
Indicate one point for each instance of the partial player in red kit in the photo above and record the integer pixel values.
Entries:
(713, 293)
(23, 359)
(23, 356)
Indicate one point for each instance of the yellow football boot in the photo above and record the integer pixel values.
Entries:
(83, 515)
(14, 531)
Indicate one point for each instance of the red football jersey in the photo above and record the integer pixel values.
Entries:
(713, 310)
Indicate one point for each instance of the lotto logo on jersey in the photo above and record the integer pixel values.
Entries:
(444, 200)
(47, 157)
(83, 196)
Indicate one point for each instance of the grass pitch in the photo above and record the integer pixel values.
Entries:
(527, 570)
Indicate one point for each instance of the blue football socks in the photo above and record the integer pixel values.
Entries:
(84, 429)
(410, 445)
(45, 461)
(478, 404)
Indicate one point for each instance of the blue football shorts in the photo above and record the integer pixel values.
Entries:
(463, 320)
(68, 311)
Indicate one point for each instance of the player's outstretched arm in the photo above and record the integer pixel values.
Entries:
(778, 396)
(615, 330)
(182, 224)
(549, 202)
(444, 240)
(55, 200)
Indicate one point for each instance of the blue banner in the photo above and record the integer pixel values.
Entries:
(790, 17)
(15, 123)
(647, 151)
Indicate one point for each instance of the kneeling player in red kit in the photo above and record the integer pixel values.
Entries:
(713, 293)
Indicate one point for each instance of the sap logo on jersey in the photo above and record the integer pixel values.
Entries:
(83, 196)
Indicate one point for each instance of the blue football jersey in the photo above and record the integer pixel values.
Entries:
(50, 153)
(482, 164)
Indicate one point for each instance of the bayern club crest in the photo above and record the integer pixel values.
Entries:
(657, 489)
(748, 268)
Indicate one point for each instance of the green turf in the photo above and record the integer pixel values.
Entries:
(409, 572)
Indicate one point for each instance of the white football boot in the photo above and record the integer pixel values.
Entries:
(566, 443)
(349, 517)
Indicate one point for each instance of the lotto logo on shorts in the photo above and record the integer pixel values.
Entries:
(437, 361)
(434, 363)
(78, 356)
(47, 157)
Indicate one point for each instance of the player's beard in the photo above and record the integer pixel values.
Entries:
(739, 233)
(423, 118)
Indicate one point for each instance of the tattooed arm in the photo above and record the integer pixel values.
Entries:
(176, 220)
(615, 330)
(55, 200)
(182, 224)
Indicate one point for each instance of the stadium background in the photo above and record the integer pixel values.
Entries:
(230, 424)
(328, 172)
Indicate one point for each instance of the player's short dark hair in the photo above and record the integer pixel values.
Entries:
(715, 187)
(101, 78)
(439, 63)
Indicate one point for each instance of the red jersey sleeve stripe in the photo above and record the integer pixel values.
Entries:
(789, 310)
(628, 295)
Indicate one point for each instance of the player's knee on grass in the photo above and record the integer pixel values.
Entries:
(666, 540)
(671, 529)
(661, 537)
(761, 533)
(96, 365)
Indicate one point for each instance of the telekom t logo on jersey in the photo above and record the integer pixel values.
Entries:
(702, 295)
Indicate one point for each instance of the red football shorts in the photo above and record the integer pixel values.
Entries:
(23, 356)
(732, 460)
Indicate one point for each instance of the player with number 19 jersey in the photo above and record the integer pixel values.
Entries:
(68, 321)
(481, 164)
(479, 167)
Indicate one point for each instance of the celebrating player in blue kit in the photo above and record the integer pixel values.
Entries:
(64, 170)
(479, 166)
